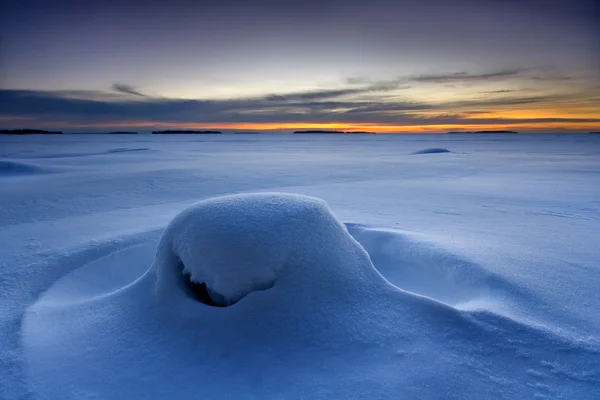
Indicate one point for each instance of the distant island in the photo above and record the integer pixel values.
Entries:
(471, 132)
(317, 131)
(594, 133)
(122, 133)
(28, 132)
(187, 132)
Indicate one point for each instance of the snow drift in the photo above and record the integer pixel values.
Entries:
(11, 168)
(307, 315)
(432, 150)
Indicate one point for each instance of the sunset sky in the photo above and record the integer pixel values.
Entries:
(377, 65)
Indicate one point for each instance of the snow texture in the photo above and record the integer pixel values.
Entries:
(465, 276)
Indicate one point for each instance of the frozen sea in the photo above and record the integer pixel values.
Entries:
(482, 278)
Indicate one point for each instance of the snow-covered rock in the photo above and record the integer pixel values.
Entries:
(238, 244)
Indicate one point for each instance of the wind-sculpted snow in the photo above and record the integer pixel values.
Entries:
(12, 168)
(307, 314)
(432, 150)
(411, 262)
(44, 154)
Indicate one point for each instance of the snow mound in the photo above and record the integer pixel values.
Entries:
(10, 168)
(414, 264)
(432, 150)
(235, 245)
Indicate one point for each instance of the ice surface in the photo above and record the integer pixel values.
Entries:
(468, 275)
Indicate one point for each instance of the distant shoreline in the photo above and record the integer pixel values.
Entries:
(28, 132)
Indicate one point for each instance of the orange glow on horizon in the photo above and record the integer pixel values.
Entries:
(582, 113)
(344, 126)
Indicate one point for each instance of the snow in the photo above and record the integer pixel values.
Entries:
(467, 275)
(239, 244)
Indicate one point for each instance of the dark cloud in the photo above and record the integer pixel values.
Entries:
(55, 106)
(315, 95)
(270, 108)
(454, 78)
(126, 89)
(549, 74)
(499, 91)
(366, 87)
(505, 101)
(468, 77)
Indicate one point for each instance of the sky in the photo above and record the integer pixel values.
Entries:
(357, 65)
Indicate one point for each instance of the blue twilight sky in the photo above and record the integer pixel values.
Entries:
(272, 64)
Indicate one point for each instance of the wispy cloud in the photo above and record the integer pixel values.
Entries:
(449, 79)
(315, 95)
(325, 94)
(468, 77)
(505, 101)
(499, 91)
(127, 89)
